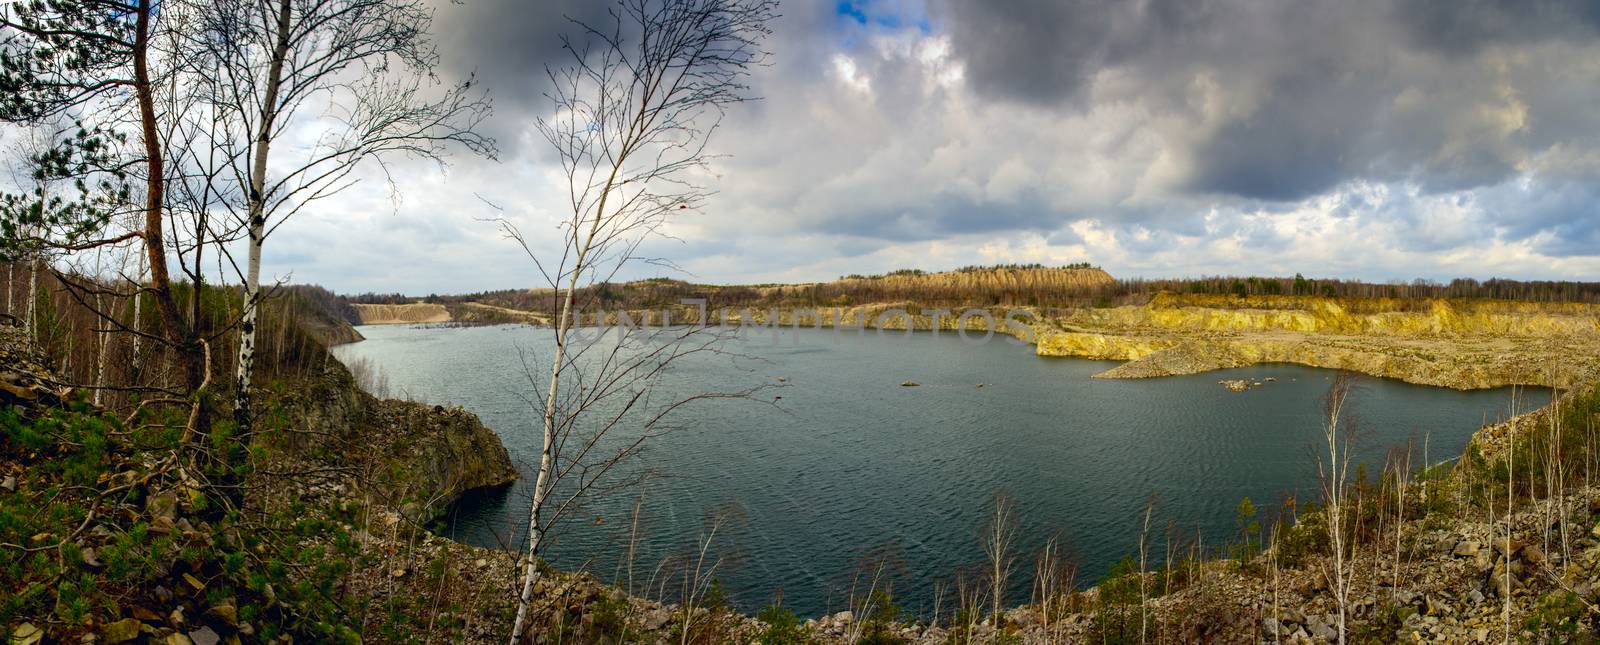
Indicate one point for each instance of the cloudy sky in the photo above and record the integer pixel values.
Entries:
(1375, 139)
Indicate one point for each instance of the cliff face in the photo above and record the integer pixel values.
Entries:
(1457, 344)
(416, 312)
(413, 457)
(1348, 316)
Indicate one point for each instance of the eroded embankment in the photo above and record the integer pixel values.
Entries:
(1456, 344)
(416, 312)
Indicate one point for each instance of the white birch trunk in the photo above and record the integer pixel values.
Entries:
(33, 295)
(258, 220)
(101, 338)
(138, 299)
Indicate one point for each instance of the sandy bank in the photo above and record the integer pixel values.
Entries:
(416, 312)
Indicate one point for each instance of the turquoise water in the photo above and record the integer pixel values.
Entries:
(849, 468)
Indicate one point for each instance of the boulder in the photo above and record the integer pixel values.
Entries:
(204, 636)
(121, 631)
(657, 618)
(226, 612)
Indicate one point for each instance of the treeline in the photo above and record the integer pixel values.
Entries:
(971, 268)
(1029, 285)
(1071, 286)
(370, 298)
(1299, 285)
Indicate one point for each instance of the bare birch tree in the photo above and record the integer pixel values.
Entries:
(999, 535)
(1333, 471)
(365, 66)
(632, 114)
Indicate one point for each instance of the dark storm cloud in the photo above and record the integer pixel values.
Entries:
(1559, 212)
(1465, 26)
(508, 44)
(1044, 51)
(1319, 83)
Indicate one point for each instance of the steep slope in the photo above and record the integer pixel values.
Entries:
(1459, 344)
(416, 312)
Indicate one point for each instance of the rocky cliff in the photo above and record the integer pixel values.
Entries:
(414, 457)
(1457, 344)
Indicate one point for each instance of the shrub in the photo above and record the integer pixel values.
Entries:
(782, 627)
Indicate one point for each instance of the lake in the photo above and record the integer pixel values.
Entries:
(849, 468)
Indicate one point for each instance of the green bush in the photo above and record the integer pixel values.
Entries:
(781, 627)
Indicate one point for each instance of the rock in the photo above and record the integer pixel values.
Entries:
(121, 631)
(1484, 560)
(204, 636)
(1322, 628)
(226, 612)
(1499, 582)
(1475, 597)
(398, 573)
(26, 634)
(90, 560)
(1506, 548)
(843, 617)
(1433, 606)
(194, 582)
(910, 384)
(176, 618)
(163, 505)
(178, 639)
(1533, 554)
(657, 618)
(10, 484)
(1466, 549)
